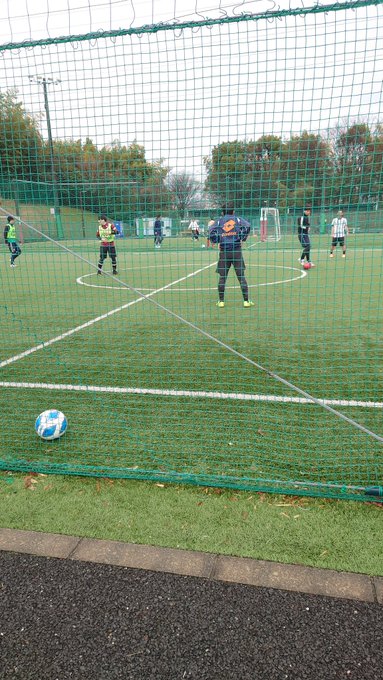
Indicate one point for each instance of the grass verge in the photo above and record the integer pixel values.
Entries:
(341, 535)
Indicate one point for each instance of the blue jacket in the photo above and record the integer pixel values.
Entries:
(229, 231)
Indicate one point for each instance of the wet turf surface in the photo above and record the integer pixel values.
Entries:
(62, 619)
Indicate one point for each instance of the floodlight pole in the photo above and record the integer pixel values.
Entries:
(41, 80)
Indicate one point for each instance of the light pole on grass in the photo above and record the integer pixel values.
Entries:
(42, 80)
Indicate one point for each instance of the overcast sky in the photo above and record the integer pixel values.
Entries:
(181, 92)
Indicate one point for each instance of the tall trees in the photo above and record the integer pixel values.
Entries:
(304, 168)
(115, 179)
(342, 167)
(374, 167)
(183, 189)
(345, 167)
(21, 145)
(358, 153)
(244, 173)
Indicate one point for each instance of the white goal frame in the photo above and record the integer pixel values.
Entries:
(270, 225)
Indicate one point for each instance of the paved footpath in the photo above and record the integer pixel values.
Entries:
(99, 610)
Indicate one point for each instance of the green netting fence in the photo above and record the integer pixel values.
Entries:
(269, 114)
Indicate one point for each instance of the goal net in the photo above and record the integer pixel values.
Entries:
(167, 366)
(270, 226)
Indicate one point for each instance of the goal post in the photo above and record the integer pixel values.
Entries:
(270, 226)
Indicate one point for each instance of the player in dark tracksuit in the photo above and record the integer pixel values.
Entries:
(303, 235)
(229, 231)
(157, 230)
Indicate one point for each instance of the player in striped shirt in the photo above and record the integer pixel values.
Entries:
(339, 229)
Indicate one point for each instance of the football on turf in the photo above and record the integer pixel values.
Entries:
(307, 265)
(51, 424)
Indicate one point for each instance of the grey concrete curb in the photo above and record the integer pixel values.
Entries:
(259, 573)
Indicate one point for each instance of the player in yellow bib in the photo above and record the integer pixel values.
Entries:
(106, 233)
(11, 240)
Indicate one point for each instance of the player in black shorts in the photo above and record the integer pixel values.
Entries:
(158, 238)
(339, 230)
(303, 236)
(229, 231)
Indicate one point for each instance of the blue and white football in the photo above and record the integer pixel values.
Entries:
(51, 424)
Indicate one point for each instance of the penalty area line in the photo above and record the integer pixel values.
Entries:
(194, 394)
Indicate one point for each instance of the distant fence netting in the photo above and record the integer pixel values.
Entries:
(268, 113)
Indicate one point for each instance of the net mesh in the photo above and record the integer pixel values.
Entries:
(171, 124)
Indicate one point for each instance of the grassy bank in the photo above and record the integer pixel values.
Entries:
(341, 535)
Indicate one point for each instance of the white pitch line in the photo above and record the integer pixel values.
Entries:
(301, 274)
(195, 394)
(72, 331)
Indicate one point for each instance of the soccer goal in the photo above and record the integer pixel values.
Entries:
(270, 225)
